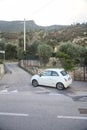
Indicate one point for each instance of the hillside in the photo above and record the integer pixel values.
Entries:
(72, 32)
(17, 26)
(11, 32)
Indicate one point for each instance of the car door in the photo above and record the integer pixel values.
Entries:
(45, 78)
(54, 78)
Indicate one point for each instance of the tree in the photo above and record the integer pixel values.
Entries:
(44, 52)
(83, 55)
(52, 42)
(68, 53)
(20, 54)
(11, 51)
(21, 42)
(67, 62)
(2, 45)
(71, 49)
(32, 49)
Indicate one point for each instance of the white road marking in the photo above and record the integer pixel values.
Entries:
(54, 94)
(4, 91)
(14, 91)
(72, 117)
(13, 114)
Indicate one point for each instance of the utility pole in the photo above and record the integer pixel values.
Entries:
(24, 36)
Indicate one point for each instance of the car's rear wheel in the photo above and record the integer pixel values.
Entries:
(60, 86)
(35, 83)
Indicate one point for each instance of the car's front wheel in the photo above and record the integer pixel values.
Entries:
(35, 83)
(59, 86)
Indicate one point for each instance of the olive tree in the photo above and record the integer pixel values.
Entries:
(68, 53)
(71, 49)
(83, 55)
(44, 52)
(32, 48)
(2, 47)
(11, 51)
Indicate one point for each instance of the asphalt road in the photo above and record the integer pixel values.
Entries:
(23, 107)
(24, 111)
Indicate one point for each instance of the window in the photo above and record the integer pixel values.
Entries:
(47, 73)
(54, 73)
(64, 73)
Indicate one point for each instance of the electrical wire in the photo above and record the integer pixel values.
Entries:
(43, 7)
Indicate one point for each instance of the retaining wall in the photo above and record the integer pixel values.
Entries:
(1, 70)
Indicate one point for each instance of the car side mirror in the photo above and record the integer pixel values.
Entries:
(40, 74)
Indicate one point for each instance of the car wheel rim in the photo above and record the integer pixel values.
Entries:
(35, 83)
(60, 86)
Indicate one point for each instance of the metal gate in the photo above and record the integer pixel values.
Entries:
(80, 73)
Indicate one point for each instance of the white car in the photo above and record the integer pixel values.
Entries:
(58, 78)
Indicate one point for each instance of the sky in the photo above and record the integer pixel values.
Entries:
(45, 12)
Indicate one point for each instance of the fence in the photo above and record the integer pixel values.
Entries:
(80, 73)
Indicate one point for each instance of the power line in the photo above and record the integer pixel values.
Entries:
(43, 7)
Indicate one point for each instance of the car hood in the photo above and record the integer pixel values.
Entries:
(36, 75)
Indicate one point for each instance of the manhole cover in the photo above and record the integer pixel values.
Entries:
(82, 110)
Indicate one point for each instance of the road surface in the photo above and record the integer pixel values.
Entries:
(23, 107)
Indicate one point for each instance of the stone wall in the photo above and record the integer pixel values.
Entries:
(33, 63)
(1, 70)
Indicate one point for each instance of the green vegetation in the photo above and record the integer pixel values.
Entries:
(69, 53)
(44, 52)
(11, 52)
(32, 49)
(70, 43)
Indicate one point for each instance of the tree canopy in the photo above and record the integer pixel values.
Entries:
(44, 52)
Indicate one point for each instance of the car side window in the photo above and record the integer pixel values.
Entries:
(47, 73)
(54, 73)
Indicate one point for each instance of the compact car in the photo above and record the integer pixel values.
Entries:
(58, 78)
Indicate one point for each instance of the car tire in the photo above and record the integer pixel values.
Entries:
(60, 86)
(35, 83)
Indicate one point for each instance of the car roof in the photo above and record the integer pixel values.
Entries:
(54, 69)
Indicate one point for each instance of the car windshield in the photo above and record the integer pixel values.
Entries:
(64, 73)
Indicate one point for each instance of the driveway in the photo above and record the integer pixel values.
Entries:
(17, 80)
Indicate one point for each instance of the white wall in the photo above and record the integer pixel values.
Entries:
(1, 70)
